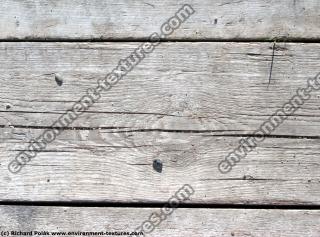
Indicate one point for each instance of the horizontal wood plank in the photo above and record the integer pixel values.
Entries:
(218, 87)
(185, 109)
(97, 165)
(182, 222)
(127, 20)
(188, 110)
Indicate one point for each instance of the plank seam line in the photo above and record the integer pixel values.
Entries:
(173, 40)
(159, 205)
(168, 131)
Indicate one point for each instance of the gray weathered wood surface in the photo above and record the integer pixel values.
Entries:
(186, 108)
(98, 165)
(187, 104)
(125, 19)
(219, 87)
(183, 222)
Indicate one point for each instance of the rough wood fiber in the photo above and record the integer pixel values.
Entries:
(219, 87)
(187, 107)
(97, 165)
(125, 19)
(183, 222)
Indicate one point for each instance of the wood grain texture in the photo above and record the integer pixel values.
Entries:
(125, 19)
(183, 222)
(185, 109)
(186, 105)
(218, 87)
(98, 165)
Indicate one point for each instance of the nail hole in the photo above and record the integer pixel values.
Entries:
(157, 165)
(59, 80)
(215, 21)
(8, 107)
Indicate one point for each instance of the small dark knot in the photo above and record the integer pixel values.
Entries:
(157, 165)
(59, 80)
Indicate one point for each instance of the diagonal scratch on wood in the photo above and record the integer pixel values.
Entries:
(149, 4)
(272, 60)
(232, 2)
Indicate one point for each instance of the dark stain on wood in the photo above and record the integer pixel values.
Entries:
(157, 165)
(58, 79)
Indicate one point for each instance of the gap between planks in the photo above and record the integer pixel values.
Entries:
(157, 205)
(171, 40)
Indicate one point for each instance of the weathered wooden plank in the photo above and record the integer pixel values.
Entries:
(97, 165)
(182, 222)
(125, 19)
(222, 87)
